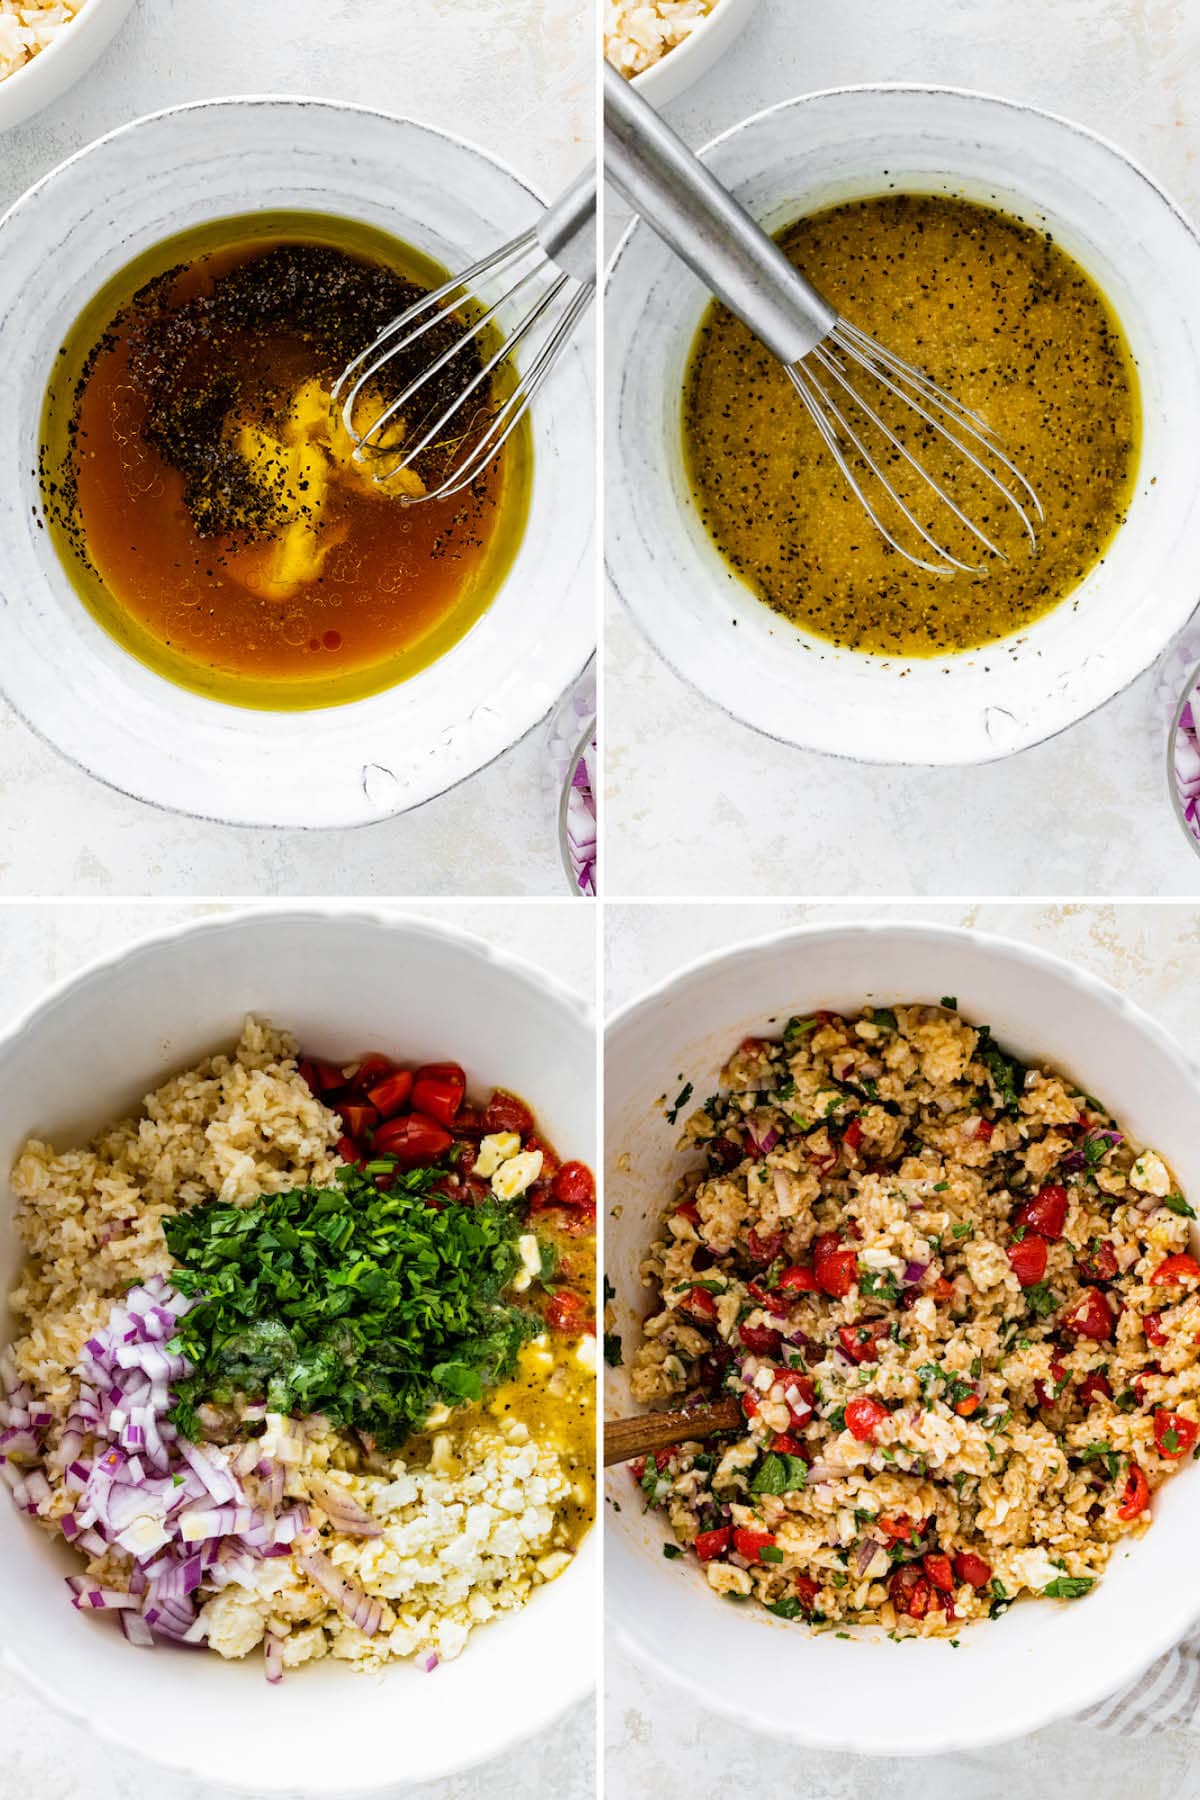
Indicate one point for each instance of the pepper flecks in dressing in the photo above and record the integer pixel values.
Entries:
(999, 315)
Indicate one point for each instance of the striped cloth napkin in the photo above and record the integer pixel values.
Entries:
(1168, 1694)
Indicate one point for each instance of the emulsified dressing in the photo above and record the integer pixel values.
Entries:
(999, 315)
(203, 493)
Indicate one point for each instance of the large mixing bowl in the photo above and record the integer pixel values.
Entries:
(343, 983)
(1106, 212)
(72, 682)
(1043, 1659)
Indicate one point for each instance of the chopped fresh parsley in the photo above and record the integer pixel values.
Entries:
(365, 1305)
(1069, 1587)
(787, 1608)
(779, 1473)
(671, 1551)
(1041, 1300)
(949, 1002)
(1007, 1074)
(681, 1099)
(1102, 1451)
(878, 1284)
(1177, 1204)
(883, 1015)
(612, 1349)
(798, 1028)
(770, 1553)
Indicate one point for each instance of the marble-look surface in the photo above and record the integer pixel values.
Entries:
(46, 1757)
(459, 64)
(699, 803)
(660, 1742)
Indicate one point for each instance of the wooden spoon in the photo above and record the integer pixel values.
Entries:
(624, 1438)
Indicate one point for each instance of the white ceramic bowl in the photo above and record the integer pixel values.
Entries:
(815, 151)
(62, 63)
(71, 681)
(1042, 1660)
(343, 982)
(698, 53)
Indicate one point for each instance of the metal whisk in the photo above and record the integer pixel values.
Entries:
(463, 390)
(685, 204)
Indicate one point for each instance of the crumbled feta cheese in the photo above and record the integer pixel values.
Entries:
(494, 1150)
(1149, 1175)
(516, 1174)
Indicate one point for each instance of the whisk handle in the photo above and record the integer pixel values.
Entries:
(685, 204)
(567, 229)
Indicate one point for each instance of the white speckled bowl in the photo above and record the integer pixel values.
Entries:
(1109, 214)
(698, 54)
(1043, 1659)
(118, 720)
(343, 982)
(63, 62)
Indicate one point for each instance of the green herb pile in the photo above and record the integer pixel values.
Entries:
(366, 1306)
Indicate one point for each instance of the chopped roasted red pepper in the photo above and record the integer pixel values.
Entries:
(1093, 1387)
(1089, 1317)
(761, 1340)
(1028, 1259)
(972, 1569)
(1174, 1434)
(711, 1544)
(1046, 1213)
(864, 1416)
(852, 1136)
(1136, 1497)
(1175, 1271)
(937, 1566)
(700, 1303)
(910, 1591)
(749, 1542)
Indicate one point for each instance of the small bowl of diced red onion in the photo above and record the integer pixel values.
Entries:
(1183, 758)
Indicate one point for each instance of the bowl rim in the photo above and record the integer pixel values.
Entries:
(73, 1705)
(646, 1649)
(982, 753)
(397, 806)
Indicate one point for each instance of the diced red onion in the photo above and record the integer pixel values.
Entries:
(273, 1657)
(915, 1272)
(428, 1662)
(346, 1594)
(345, 1513)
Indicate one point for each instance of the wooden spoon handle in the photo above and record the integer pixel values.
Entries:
(624, 1438)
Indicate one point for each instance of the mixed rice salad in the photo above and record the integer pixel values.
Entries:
(958, 1306)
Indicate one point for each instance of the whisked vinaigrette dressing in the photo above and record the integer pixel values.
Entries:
(1001, 316)
(201, 490)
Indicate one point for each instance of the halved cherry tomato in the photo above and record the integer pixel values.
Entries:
(861, 1342)
(1058, 1377)
(864, 1416)
(984, 1130)
(796, 1279)
(798, 1395)
(937, 1566)
(1174, 1434)
(370, 1070)
(942, 1289)
(749, 1404)
(413, 1140)
(1094, 1387)
(438, 1091)
(786, 1444)
(1136, 1497)
(836, 1269)
(550, 1163)
(895, 1526)
(765, 1249)
(760, 1340)
(574, 1185)
(711, 1544)
(568, 1312)
(699, 1302)
(327, 1076)
(349, 1151)
(1175, 1271)
(1152, 1326)
(504, 1112)
(1089, 1317)
(806, 1589)
(972, 1569)
(1028, 1259)
(357, 1119)
(852, 1136)
(690, 1211)
(391, 1095)
(748, 1541)
(909, 1591)
(1046, 1213)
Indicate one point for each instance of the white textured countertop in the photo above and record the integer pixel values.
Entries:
(660, 1743)
(516, 77)
(698, 803)
(46, 1757)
